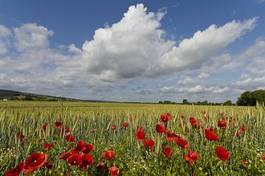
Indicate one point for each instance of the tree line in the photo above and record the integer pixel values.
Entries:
(247, 98)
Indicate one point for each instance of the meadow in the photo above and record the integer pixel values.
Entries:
(78, 138)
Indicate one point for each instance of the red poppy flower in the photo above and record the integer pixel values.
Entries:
(20, 136)
(211, 135)
(44, 126)
(194, 122)
(125, 124)
(182, 142)
(113, 127)
(88, 148)
(80, 146)
(167, 151)
(263, 156)
(222, 153)
(191, 157)
(87, 161)
(67, 130)
(75, 159)
(222, 123)
(58, 124)
(140, 134)
(66, 155)
(47, 146)
(149, 143)
(114, 171)
(15, 171)
(241, 130)
(160, 128)
(165, 117)
(171, 136)
(70, 138)
(34, 162)
(108, 154)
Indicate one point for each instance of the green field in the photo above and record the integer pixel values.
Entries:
(100, 124)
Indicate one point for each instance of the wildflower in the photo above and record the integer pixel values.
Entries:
(114, 171)
(125, 124)
(241, 130)
(44, 126)
(81, 145)
(171, 136)
(20, 137)
(182, 142)
(15, 171)
(263, 157)
(58, 124)
(87, 160)
(47, 146)
(167, 151)
(140, 134)
(211, 135)
(67, 130)
(222, 153)
(165, 117)
(113, 127)
(222, 123)
(194, 122)
(191, 157)
(70, 138)
(108, 154)
(75, 159)
(160, 128)
(149, 143)
(34, 162)
(66, 155)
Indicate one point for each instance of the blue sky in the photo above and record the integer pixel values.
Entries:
(161, 49)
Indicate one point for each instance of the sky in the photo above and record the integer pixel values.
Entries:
(133, 50)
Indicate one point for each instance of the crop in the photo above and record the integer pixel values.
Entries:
(48, 138)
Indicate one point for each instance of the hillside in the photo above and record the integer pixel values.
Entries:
(16, 95)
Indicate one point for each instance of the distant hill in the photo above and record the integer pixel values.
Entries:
(16, 95)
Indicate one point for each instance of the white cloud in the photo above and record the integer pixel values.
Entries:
(32, 36)
(187, 80)
(193, 52)
(5, 33)
(203, 75)
(129, 47)
(132, 48)
(135, 47)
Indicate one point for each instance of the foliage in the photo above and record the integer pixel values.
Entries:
(249, 98)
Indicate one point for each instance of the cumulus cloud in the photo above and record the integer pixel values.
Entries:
(129, 47)
(31, 36)
(135, 46)
(4, 42)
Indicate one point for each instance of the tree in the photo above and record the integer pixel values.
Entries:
(249, 98)
(228, 103)
(185, 101)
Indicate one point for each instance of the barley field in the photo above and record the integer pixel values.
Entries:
(77, 138)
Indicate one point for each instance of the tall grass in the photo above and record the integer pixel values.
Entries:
(92, 123)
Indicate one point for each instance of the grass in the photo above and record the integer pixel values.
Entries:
(92, 122)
